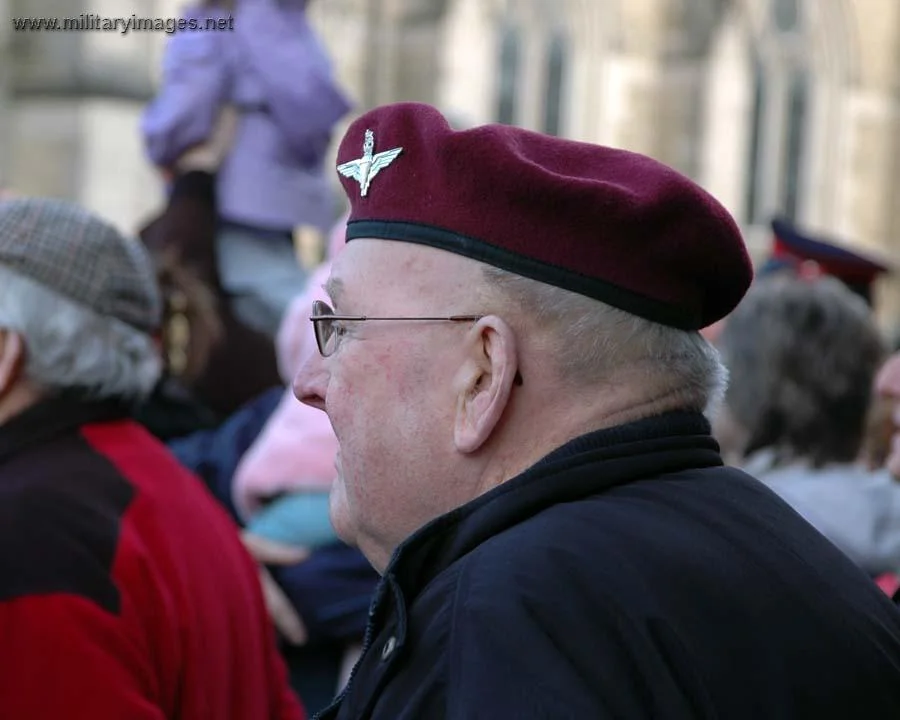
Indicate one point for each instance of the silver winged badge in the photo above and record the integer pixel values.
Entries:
(369, 165)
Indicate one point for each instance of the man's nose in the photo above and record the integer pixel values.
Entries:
(310, 382)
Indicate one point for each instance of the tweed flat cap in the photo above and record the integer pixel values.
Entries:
(613, 225)
(73, 252)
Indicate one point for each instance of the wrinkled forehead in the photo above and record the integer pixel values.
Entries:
(399, 270)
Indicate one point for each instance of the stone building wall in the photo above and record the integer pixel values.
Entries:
(776, 106)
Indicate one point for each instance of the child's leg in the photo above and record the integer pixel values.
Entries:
(300, 519)
(260, 273)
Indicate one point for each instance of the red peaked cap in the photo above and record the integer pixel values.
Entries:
(610, 224)
(792, 247)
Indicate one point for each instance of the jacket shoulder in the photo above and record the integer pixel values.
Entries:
(61, 508)
(520, 647)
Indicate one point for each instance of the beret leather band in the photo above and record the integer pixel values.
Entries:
(596, 288)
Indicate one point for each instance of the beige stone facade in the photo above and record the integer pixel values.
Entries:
(70, 102)
(776, 106)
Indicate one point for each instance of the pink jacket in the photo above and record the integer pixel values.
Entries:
(296, 449)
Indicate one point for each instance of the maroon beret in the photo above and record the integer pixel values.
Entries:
(613, 225)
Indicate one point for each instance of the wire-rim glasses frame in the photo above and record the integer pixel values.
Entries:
(324, 318)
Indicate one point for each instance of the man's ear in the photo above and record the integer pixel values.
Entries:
(484, 382)
(12, 358)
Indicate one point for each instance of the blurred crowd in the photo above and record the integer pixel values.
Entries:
(238, 131)
(810, 405)
(146, 395)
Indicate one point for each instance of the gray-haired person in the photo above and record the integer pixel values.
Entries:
(125, 590)
(802, 356)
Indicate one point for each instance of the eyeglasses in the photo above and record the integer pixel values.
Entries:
(329, 329)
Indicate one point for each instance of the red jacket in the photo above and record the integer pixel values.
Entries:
(125, 592)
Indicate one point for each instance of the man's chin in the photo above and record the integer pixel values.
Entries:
(893, 459)
(339, 515)
(893, 466)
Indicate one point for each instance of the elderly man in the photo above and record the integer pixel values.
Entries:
(125, 592)
(514, 372)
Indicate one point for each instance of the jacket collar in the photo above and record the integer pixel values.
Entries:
(585, 466)
(55, 416)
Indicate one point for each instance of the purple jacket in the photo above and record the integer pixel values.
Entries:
(273, 68)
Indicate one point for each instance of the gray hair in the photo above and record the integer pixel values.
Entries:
(69, 346)
(802, 356)
(600, 344)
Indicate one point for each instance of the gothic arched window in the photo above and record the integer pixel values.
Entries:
(557, 56)
(779, 127)
(785, 15)
(507, 96)
(798, 89)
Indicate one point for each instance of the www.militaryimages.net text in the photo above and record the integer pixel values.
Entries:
(87, 22)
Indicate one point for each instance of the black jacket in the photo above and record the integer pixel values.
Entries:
(243, 364)
(627, 575)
